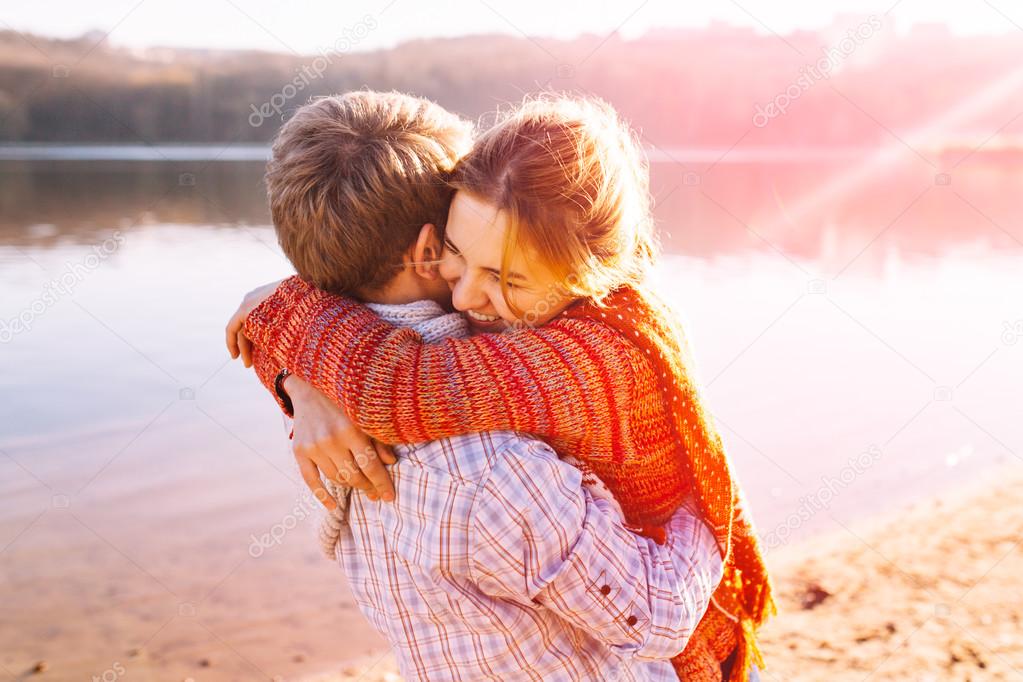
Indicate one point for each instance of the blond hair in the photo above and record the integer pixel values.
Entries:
(575, 183)
(354, 177)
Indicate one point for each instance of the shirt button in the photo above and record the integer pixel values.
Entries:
(605, 590)
(632, 620)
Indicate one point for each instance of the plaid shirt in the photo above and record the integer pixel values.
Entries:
(495, 563)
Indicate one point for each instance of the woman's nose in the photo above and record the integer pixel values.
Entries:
(467, 294)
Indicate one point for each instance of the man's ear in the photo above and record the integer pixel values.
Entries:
(426, 251)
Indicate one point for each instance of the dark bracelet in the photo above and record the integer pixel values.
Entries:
(282, 395)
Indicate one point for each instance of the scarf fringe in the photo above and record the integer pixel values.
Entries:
(748, 653)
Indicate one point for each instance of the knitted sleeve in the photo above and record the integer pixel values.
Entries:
(570, 380)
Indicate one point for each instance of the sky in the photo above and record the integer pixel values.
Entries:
(306, 26)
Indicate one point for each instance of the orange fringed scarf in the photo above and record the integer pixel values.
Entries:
(743, 600)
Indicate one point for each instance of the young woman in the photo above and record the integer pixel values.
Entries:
(548, 243)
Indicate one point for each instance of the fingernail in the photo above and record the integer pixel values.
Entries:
(389, 497)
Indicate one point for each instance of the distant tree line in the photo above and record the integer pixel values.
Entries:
(681, 88)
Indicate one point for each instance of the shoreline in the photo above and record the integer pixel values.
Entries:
(924, 592)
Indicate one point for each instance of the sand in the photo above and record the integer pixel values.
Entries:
(934, 592)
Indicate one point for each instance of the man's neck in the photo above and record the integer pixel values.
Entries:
(405, 287)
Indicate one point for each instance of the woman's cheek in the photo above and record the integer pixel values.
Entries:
(542, 308)
(526, 304)
(499, 305)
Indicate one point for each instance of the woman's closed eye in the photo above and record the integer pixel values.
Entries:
(451, 247)
(496, 277)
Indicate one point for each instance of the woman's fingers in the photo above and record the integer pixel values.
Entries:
(245, 348)
(311, 476)
(366, 470)
(327, 468)
(350, 474)
(385, 452)
(231, 332)
(340, 450)
(369, 460)
(235, 330)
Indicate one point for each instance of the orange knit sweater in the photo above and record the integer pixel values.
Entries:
(608, 385)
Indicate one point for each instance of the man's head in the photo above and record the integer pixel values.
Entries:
(357, 185)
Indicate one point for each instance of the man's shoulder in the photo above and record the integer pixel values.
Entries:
(471, 458)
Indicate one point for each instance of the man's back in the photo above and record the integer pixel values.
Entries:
(494, 563)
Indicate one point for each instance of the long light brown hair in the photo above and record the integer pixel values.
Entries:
(575, 184)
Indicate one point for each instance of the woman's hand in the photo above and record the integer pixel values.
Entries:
(237, 342)
(327, 441)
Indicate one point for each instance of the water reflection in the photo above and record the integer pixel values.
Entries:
(832, 311)
(45, 202)
(828, 207)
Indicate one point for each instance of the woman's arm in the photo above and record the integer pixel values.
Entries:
(557, 381)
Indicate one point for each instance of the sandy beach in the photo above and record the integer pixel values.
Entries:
(931, 593)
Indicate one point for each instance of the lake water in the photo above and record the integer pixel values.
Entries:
(857, 320)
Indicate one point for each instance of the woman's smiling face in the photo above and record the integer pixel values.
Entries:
(471, 264)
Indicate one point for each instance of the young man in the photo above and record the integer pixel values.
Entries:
(493, 561)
